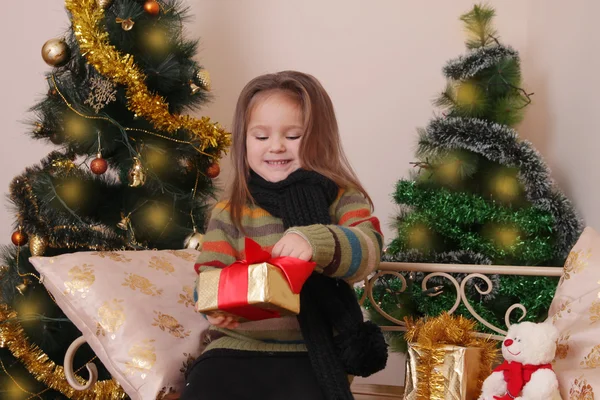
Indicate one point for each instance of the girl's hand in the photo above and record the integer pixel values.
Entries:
(223, 322)
(293, 245)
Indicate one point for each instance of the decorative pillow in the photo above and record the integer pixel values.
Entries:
(136, 311)
(575, 311)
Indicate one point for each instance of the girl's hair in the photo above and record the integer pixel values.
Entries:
(320, 149)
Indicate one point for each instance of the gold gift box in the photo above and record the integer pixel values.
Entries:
(268, 292)
(452, 374)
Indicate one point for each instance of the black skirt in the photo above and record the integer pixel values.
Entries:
(223, 374)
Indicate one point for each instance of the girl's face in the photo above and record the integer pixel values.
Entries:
(275, 130)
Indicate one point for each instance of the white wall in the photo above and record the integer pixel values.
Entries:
(381, 63)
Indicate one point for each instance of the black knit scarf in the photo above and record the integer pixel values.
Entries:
(326, 304)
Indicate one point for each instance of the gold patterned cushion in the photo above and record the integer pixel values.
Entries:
(575, 311)
(135, 309)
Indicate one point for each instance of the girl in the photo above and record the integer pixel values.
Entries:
(295, 194)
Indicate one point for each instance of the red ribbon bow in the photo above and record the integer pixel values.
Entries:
(233, 282)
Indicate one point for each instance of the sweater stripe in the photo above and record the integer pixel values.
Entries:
(371, 258)
(220, 247)
(362, 213)
(356, 252)
(337, 257)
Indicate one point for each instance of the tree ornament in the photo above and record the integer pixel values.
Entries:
(56, 138)
(55, 52)
(38, 245)
(124, 223)
(61, 166)
(204, 79)
(137, 173)
(39, 128)
(22, 287)
(126, 24)
(194, 241)
(152, 7)
(213, 170)
(99, 165)
(102, 92)
(104, 4)
(194, 88)
(19, 238)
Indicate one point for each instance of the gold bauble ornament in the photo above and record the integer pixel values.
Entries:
(204, 78)
(137, 173)
(104, 4)
(55, 52)
(38, 245)
(194, 241)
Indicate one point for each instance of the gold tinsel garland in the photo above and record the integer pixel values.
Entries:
(87, 17)
(45, 370)
(431, 334)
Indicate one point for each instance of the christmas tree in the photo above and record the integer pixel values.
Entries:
(130, 170)
(478, 194)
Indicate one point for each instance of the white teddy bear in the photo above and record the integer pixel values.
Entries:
(526, 373)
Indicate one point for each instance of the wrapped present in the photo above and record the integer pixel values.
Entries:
(445, 361)
(260, 287)
(453, 372)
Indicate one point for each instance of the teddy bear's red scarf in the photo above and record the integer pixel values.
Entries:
(516, 376)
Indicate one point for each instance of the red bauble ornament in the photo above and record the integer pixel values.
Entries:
(99, 165)
(152, 7)
(213, 170)
(19, 238)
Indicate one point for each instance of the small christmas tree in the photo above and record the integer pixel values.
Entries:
(130, 171)
(479, 194)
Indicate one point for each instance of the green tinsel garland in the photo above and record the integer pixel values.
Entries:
(453, 215)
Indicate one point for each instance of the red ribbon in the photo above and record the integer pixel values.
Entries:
(516, 376)
(233, 282)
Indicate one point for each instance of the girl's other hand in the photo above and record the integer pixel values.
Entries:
(222, 321)
(293, 245)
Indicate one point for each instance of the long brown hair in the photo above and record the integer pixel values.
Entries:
(320, 149)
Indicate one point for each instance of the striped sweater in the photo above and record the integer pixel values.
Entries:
(350, 249)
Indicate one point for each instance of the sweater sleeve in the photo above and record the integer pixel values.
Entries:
(218, 249)
(350, 248)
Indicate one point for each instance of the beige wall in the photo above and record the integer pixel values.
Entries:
(561, 65)
(381, 63)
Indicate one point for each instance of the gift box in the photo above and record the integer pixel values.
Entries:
(445, 360)
(260, 287)
(453, 372)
